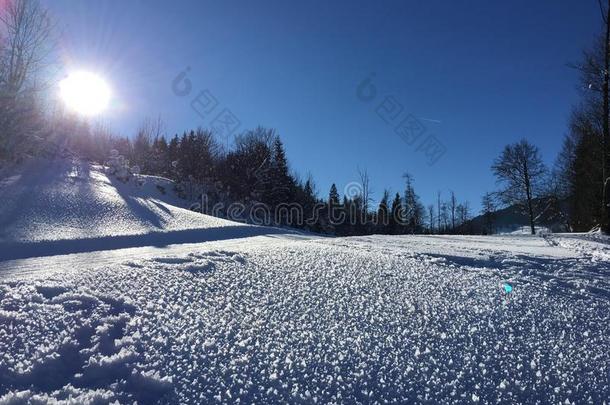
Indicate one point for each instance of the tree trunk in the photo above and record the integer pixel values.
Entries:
(531, 214)
(605, 220)
(606, 229)
(528, 194)
(438, 212)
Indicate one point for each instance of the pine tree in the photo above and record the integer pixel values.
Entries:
(334, 210)
(396, 217)
(308, 190)
(283, 184)
(413, 209)
(595, 76)
(333, 196)
(346, 226)
(578, 173)
(142, 155)
(488, 211)
(173, 151)
(308, 201)
(383, 212)
(358, 215)
(160, 164)
(605, 210)
(184, 156)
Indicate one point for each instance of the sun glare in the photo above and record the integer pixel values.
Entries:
(85, 92)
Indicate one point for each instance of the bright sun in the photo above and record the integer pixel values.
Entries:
(85, 92)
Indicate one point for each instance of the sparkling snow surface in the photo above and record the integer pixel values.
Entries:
(60, 200)
(288, 318)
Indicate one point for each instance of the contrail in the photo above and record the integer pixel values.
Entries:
(431, 120)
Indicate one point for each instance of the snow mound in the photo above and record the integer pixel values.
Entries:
(62, 206)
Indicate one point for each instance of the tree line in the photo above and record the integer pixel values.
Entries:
(581, 174)
(255, 172)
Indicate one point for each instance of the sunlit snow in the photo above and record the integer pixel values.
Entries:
(298, 318)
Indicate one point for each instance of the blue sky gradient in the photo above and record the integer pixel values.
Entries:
(484, 74)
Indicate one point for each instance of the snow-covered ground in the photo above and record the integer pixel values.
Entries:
(275, 317)
(50, 207)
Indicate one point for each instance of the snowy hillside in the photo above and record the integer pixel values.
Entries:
(248, 314)
(64, 206)
(515, 219)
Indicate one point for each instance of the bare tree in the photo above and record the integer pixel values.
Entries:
(452, 207)
(25, 48)
(24, 53)
(152, 128)
(438, 210)
(445, 215)
(365, 182)
(521, 171)
(463, 213)
(148, 133)
(431, 217)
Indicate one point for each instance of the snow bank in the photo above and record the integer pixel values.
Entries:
(62, 206)
(372, 319)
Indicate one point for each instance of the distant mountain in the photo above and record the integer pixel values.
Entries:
(514, 219)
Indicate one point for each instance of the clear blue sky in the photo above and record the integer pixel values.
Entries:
(486, 72)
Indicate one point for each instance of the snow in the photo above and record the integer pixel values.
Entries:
(315, 320)
(269, 317)
(526, 230)
(60, 206)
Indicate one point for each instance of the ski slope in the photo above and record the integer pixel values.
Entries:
(271, 317)
(63, 206)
